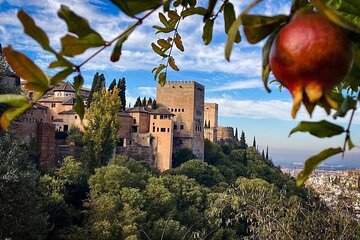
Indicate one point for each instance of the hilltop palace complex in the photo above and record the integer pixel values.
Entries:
(154, 135)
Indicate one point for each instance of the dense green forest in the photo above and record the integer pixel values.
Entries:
(234, 194)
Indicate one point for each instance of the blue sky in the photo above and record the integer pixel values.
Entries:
(235, 86)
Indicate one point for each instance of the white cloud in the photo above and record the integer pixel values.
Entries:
(147, 91)
(270, 109)
(237, 85)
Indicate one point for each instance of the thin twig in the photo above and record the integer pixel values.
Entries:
(107, 44)
(347, 137)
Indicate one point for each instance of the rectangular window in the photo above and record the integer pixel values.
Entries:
(175, 110)
(163, 130)
(154, 117)
(183, 110)
(168, 129)
(175, 126)
(157, 129)
(161, 117)
(154, 129)
(181, 127)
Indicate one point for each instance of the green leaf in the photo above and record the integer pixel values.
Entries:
(157, 50)
(320, 129)
(162, 79)
(78, 82)
(164, 21)
(172, 64)
(178, 42)
(162, 30)
(77, 24)
(209, 10)
(11, 114)
(72, 45)
(192, 11)
(34, 31)
(265, 60)
(14, 100)
(335, 17)
(116, 53)
(348, 104)
(257, 27)
(208, 31)
(25, 68)
(312, 163)
(229, 19)
(79, 107)
(60, 76)
(350, 144)
(133, 7)
(348, 8)
(232, 35)
(60, 62)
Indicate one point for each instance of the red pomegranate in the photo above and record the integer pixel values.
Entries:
(309, 56)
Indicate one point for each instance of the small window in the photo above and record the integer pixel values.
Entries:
(52, 118)
(157, 129)
(182, 110)
(134, 120)
(181, 127)
(163, 130)
(154, 129)
(153, 123)
(75, 116)
(172, 109)
(154, 117)
(53, 105)
(168, 129)
(179, 110)
(175, 110)
(161, 116)
(175, 126)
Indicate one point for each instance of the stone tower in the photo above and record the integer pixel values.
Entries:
(186, 101)
(211, 121)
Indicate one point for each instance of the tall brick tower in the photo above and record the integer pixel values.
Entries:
(186, 101)
(211, 121)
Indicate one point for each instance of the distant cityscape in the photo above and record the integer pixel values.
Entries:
(337, 188)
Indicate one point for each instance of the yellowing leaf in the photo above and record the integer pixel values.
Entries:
(178, 42)
(172, 64)
(11, 114)
(26, 69)
(158, 50)
(162, 79)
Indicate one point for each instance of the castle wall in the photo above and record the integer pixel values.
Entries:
(211, 134)
(211, 114)
(46, 140)
(140, 121)
(186, 101)
(125, 126)
(162, 133)
(225, 133)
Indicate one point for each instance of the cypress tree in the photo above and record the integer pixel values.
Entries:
(254, 143)
(242, 144)
(112, 85)
(144, 102)
(122, 93)
(262, 155)
(267, 152)
(236, 135)
(102, 82)
(150, 101)
(153, 105)
(138, 102)
(93, 88)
